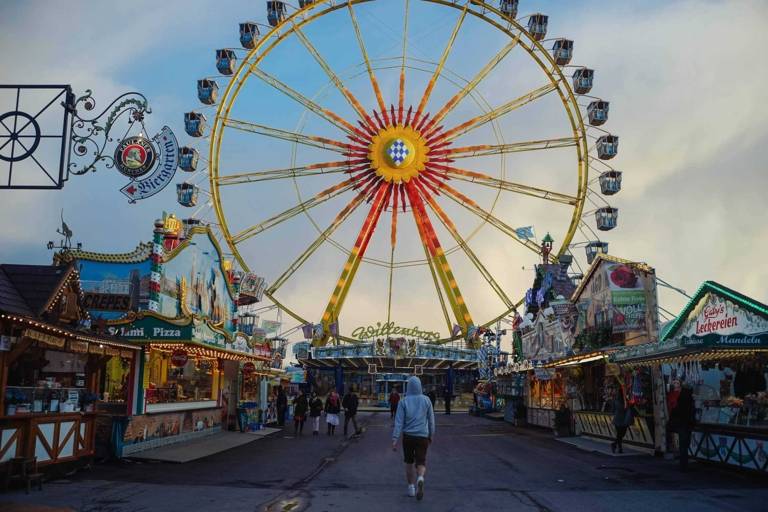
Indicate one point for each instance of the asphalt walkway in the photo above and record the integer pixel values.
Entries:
(474, 464)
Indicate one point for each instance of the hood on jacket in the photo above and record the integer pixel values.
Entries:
(414, 386)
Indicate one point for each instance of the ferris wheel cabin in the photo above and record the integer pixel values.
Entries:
(594, 248)
(607, 146)
(190, 223)
(249, 34)
(610, 182)
(304, 3)
(194, 124)
(226, 61)
(188, 158)
(597, 112)
(607, 218)
(207, 91)
(562, 51)
(186, 194)
(582, 80)
(275, 12)
(509, 8)
(537, 26)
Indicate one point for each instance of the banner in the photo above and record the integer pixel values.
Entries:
(627, 297)
(271, 326)
(525, 233)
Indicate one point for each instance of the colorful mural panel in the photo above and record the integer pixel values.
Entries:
(195, 275)
(111, 289)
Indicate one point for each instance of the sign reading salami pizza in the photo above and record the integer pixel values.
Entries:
(179, 358)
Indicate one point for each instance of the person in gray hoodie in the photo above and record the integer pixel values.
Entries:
(415, 420)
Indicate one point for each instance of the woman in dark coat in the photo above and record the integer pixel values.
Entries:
(300, 408)
(623, 417)
(682, 419)
(282, 405)
(315, 410)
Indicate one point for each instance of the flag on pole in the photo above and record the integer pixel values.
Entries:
(525, 233)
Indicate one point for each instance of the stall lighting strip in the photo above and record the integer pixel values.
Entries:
(700, 356)
(55, 330)
(204, 352)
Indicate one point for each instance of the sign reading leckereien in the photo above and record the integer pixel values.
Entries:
(390, 329)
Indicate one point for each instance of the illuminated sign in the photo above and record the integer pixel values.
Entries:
(390, 329)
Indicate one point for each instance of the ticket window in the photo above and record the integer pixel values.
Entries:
(195, 381)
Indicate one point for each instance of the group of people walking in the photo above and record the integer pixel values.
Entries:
(413, 414)
(312, 407)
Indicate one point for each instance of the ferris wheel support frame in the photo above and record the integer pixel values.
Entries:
(312, 12)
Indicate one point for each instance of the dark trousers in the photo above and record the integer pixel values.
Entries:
(392, 411)
(620, 433)
(347, 418)
(281, 416)
(447, 407)
(298, 425)
(684, 436)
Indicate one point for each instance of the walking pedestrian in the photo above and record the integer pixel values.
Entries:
(415, 420)
(621, 415)
(282, 406)
(683, 419)
(332, 410)
(447, 397)
(300, 408)
(350, 410)
(394, 399)
(315, 410)
(432, 397)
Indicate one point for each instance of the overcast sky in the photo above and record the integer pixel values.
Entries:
(685, 80)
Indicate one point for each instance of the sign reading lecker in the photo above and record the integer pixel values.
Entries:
(716, 321)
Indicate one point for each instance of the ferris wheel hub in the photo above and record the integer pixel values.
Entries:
(398, 153)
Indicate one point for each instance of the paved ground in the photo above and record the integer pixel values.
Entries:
(475, 464)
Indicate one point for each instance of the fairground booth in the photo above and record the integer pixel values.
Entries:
(177, 301)
(565, 340)
(58, 372)
(377, 366)
(719, 346)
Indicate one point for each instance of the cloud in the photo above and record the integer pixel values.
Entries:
(683, 79)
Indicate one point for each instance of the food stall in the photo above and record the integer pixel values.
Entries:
(57, 374)
(718, 345)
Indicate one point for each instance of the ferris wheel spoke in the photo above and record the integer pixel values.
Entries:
(351, 99)
(479, 77)
(371, 74)
(401, 91)
(436, 253)
(487, 216)
(449, 225)
(342, 166)
(436, 281)
(300, 138)
(339, 294)
(320, 198)
(326, 114)
(503, 149)
(490, 181)
(508, 107)
(304, 256)
(441, 63)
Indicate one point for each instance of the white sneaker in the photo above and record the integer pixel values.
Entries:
(411, 491)
(420, 487)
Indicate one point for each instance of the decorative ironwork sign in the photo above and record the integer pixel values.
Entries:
(34, 136)
(149, 163)
(46, 134)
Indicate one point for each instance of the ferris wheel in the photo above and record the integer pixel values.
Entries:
(402, 137)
